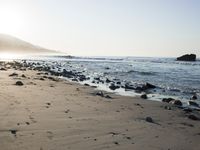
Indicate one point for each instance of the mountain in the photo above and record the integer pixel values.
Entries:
(10, 44)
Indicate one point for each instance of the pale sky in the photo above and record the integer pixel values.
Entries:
(106, 27)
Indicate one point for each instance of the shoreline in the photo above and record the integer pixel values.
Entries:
(50, 113)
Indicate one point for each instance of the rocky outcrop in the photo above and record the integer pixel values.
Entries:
(187, 57)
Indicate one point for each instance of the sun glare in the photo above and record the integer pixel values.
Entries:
(9, 56)
(11, 19)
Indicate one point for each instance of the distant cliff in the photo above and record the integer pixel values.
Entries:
(10, 44)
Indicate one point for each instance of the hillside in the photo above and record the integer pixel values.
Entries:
(10, 44)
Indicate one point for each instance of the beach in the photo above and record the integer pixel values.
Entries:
(51, 113)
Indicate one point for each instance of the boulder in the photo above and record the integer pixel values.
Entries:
(194, 97)
(176, 102)
(187, 57)
(114, 87)
(192, 103)
(167, 100)
(149, 119)
(144, 96)
(19, 83)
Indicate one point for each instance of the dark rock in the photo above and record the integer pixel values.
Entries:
(149, 119)
(194, 97)
(108, 81)
(192, 103)
(167, 100)
(114, 87)
(129, 87)
(149, 86)
(108, 96)
(75, 80)
(187, 110)
(100, 94)
(13, 74)
(187, 57)
(19, 83)
(144, 96)
(176, 102)
(193, 117)
(13, 131)
(42, 79)
(86, 84)
(23, 76)
(2, 69)
(107, 68)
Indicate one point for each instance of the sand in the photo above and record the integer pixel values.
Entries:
(59, 115)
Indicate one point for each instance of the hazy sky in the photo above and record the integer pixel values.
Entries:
(106, 27)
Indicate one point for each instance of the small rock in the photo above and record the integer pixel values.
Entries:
(194, 97)
(149, 119)
(108, 96)
(100, 94)
(19, 83)
(192, 103)
(23, 76)
(193, 117)
(144, 96)
(176, 102)
(167, 100)
(13, 74)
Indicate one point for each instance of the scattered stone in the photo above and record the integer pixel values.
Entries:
(13, 74)
(149, 119)
(144, 96)
(13, 131)
(114, 87)
(86, 84)
(108, 96)
(19, 83)
(187, 110)
(167, 100)
(3, 69)
(116, 143)
(23, 76)
(27, 123)
(100, 94)
(194, 97)
(193, 117)
(42, 79)
(192, 103)
(176, 102)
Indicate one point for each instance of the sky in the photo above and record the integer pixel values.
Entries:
(106, 27)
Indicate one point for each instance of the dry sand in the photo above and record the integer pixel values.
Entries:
(59, 115)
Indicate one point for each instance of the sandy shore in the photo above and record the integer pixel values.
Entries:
(58, 115)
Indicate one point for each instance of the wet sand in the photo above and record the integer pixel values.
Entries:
(54, 114)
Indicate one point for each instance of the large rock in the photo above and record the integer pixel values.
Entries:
(187, 57)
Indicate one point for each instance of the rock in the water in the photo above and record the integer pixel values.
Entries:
(192, 103)
(176, 102)
(193, 117)
(194, 97)
(167, 100)
(114, 87)
(187, 57)
(149, 119)
(19, 83)
(144, 96)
